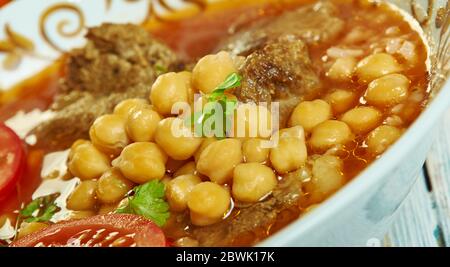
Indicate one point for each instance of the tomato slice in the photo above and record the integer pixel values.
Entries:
(12, 160)
(112, 230)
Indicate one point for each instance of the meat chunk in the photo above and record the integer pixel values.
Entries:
(278, 66)
(315, 24)
(118, 62)
(281, 71)
(256, 217)
(115, 58)
(74, 120)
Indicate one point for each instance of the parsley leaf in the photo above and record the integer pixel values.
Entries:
(40, 209)
(160, 69)
(232, 81)
(148, 201)
(217, 97)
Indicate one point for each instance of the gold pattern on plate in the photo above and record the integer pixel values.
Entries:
(61, 26)
(422, 19)
(15, 46)
(441, 59)
(163, 4)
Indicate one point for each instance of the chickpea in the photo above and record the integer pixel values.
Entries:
(211, 71)
(27, 228)
(186, 242)
(342, 69)
(128, 106)
(178, 190)
(86, 161)
(252, 181)
(166, 179)
(381, 138)
(169, 89)
(362, 119)
(341, 100)
(388, 90)
(409, 111)
(218, 160)
(187, 77)
(81, 214)
(208, 203)
(290, 153)
(375, 66)
(206, 142)
(107, 208)
(112, 187)
(199, 103)
(176, 139)
(188, 168)
(309, 114)
(252, 120)
(83, 196)
(330, 133)
(141, 162)
(327, 177)
(108, 134)
(253, 151)
(141, 125)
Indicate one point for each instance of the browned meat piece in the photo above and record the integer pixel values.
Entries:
(281, 71)
(256, 217)
(116, 58)
(73, 121)
(278, 66)
(315, 24)
(118, 62)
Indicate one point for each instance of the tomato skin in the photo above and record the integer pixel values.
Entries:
(143, 232)
(12, 172)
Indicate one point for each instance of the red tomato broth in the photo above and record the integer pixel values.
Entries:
(194, 37)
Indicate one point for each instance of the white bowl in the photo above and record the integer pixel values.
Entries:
(358, 214)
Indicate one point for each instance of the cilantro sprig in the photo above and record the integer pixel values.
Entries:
(216, 98)
(232, 81)
(160, 69)
(148, 201)
(40, 209)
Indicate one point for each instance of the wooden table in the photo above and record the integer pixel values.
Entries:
(424, 218)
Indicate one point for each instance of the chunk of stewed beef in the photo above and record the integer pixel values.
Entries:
(277, 65)
(315, 24)
(118, 62)
(115, 58)
(279, 71)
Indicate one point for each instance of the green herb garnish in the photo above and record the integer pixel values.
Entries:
(232, 81)
(216, 98)
(160, 69)
(148, 201)
(40, 209)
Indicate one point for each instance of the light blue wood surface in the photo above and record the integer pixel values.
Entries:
(424, 218)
